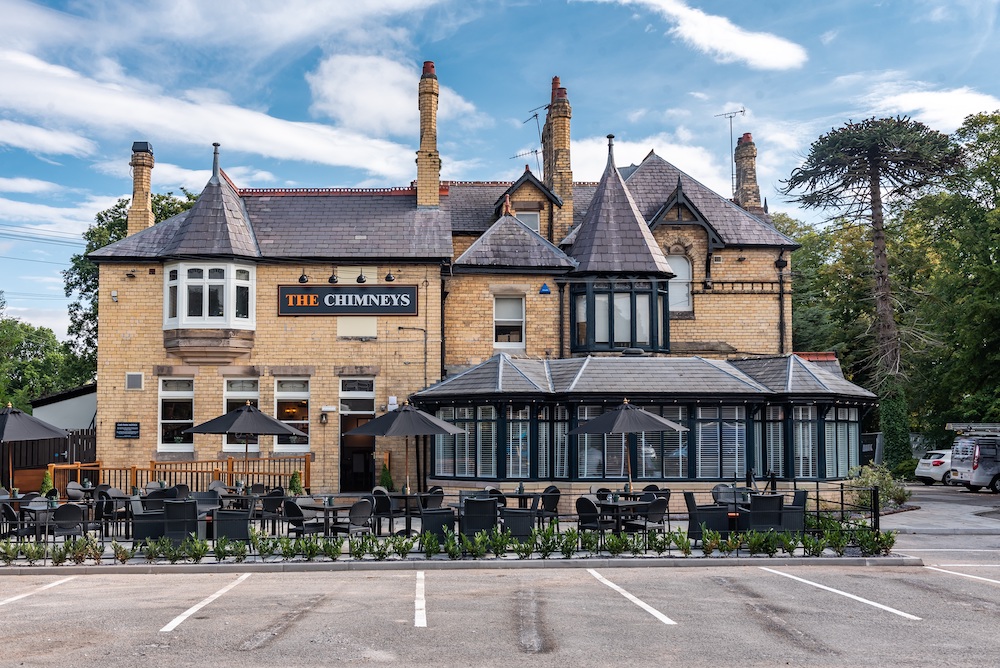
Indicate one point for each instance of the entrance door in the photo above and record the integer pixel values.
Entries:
(357, 456)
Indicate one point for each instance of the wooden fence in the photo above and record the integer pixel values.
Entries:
(270, 472)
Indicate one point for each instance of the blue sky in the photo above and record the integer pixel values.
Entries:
(303, 93)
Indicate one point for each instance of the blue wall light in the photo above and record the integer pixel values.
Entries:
(544, 290)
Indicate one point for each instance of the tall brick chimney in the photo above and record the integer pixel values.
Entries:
(556, 160)
(428, 158)
(140, 213)
(747, 191)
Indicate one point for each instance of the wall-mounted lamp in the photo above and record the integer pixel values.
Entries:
(130, 273)
(780, 263)
(333, 276)
(303, 278)
(114, 296)
(741, 258)
(544, 290)
(389, 278)
(323, 419)
(361, 277)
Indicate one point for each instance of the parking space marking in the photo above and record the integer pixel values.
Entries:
(964, 575)
(198, 606)
(420, 603)
(843, 593)
(645, 606)
(42, 588)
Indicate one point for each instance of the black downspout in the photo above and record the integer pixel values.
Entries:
(780, 265)
(444, 296)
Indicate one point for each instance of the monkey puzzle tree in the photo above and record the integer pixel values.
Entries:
(854, 171)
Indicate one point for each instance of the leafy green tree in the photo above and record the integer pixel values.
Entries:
(852, 171)
(80, 279)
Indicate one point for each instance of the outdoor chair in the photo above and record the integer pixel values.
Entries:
(207, 501)
(382, 509)
(69, 519)
(651, 488)
(588, 517)
(182, 490)
(495, 493)
(549, 501)
(519, 521)
(793, 515)
(478, 515)
(730, 495)
(655, 518)
(52, 494)
(257, 489)
(74, 491)
(231, 524)
(11, 525)
(359, 519)
(181, 520)
(436, 520)
(219, 486)
(111, 511)
(269, 508)
(713, 516)
(434, 498)
(145, 523)
(763, 514)
(297, 522)
(155, 498)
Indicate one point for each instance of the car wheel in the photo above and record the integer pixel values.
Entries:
(995, 485)
(946, 478)
(926, 481)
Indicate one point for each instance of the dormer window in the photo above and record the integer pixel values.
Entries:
(210, 295)
(530, 218)
(614, 314)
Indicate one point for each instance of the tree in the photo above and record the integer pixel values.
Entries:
(846, 171)
(81, 278)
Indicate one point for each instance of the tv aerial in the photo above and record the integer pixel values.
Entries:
(535, 151)
(732, 163)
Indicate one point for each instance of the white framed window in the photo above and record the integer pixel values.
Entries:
(291, 406)
(176, 414)
(134, 380)
(237, 392)
(357, 395)
(805, 443)
(508, 322)
(209, 295)
(530, 218)
(680, 284)
(518, 442)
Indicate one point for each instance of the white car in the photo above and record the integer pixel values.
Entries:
(934, 466)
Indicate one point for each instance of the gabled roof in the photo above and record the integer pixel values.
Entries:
(509, 243)
(790, 374)
(614, 238)
(526, 177)
(655, 180)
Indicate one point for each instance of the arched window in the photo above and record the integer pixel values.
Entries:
(680, 284)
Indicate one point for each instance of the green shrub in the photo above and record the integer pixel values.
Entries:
(837, 540)
(309, 547)
(430, 543)
(499, 540)
(452, 546)
(788, 542)
(590, 541)
(358, 546)
(616, 543)
(332, 548)
(637, 544)
(238, 550)
(59, 554)
(756, 541)
(194, 548)
(402, 545)
(379, 548)
(121, 553)
(813, 546)
(221, 551)
(731, 544)
(906, 470)
(570, 540)
(710, 539)
(682, 541)
(547, 540)
(890, 490)
(34, 551)
(46, 485)
(295, 483)
(523, 548)
(385, 478)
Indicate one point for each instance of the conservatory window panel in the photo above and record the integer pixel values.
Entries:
(601, 324)
(623, 319)
(487, 451)
(560, 453)
(518, 443)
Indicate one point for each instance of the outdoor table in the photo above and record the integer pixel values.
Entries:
(618, 509)
(327, 509)
(410, 502)
(522, 498)
(42, 515)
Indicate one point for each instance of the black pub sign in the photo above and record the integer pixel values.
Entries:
(347, 300)
(126, 430)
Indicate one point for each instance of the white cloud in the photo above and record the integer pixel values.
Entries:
(942, 110)
(718, 37)
(56, 319)
(590, 156)
(698, 95)
(25, 185)
(34, 139)
(56, 94)
(377, 95)
(828, 37)
(44, 217)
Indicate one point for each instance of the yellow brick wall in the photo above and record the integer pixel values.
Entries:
(131, 340)
(469, 317)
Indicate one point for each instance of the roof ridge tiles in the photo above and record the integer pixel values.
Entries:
(726, 368)
(282, 192)
(579, 373)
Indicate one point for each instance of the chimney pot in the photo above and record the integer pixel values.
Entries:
(429, 70)
(142, 147)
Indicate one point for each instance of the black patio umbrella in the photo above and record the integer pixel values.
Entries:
(406, 421)
(16, 425)
(627, 419)
(245, 421)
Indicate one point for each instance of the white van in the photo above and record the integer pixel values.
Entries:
(975, 456)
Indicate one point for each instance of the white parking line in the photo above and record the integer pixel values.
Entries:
(195, 608)
(844, 593)
(645, 606)
(419, 603)
(964, 575)
(35, 591)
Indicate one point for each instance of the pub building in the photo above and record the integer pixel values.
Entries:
(514, 309)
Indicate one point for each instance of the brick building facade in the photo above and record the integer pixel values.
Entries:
(515, 309)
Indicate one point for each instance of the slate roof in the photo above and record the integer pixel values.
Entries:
(613, 237)
(509, 243)
(620, 377)
(793, 375)
(653, 182)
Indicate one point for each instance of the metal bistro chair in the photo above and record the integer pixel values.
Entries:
(478, 514)
(359, 519)
(588, 517)
(654, 518)
(549, 501)
(383, 509)
(297, 522)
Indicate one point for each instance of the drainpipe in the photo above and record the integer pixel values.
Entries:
(562, 319)
(780, 265)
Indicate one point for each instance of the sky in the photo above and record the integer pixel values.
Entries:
(301, 93)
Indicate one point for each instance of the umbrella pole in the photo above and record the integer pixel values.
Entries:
(406, 456)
